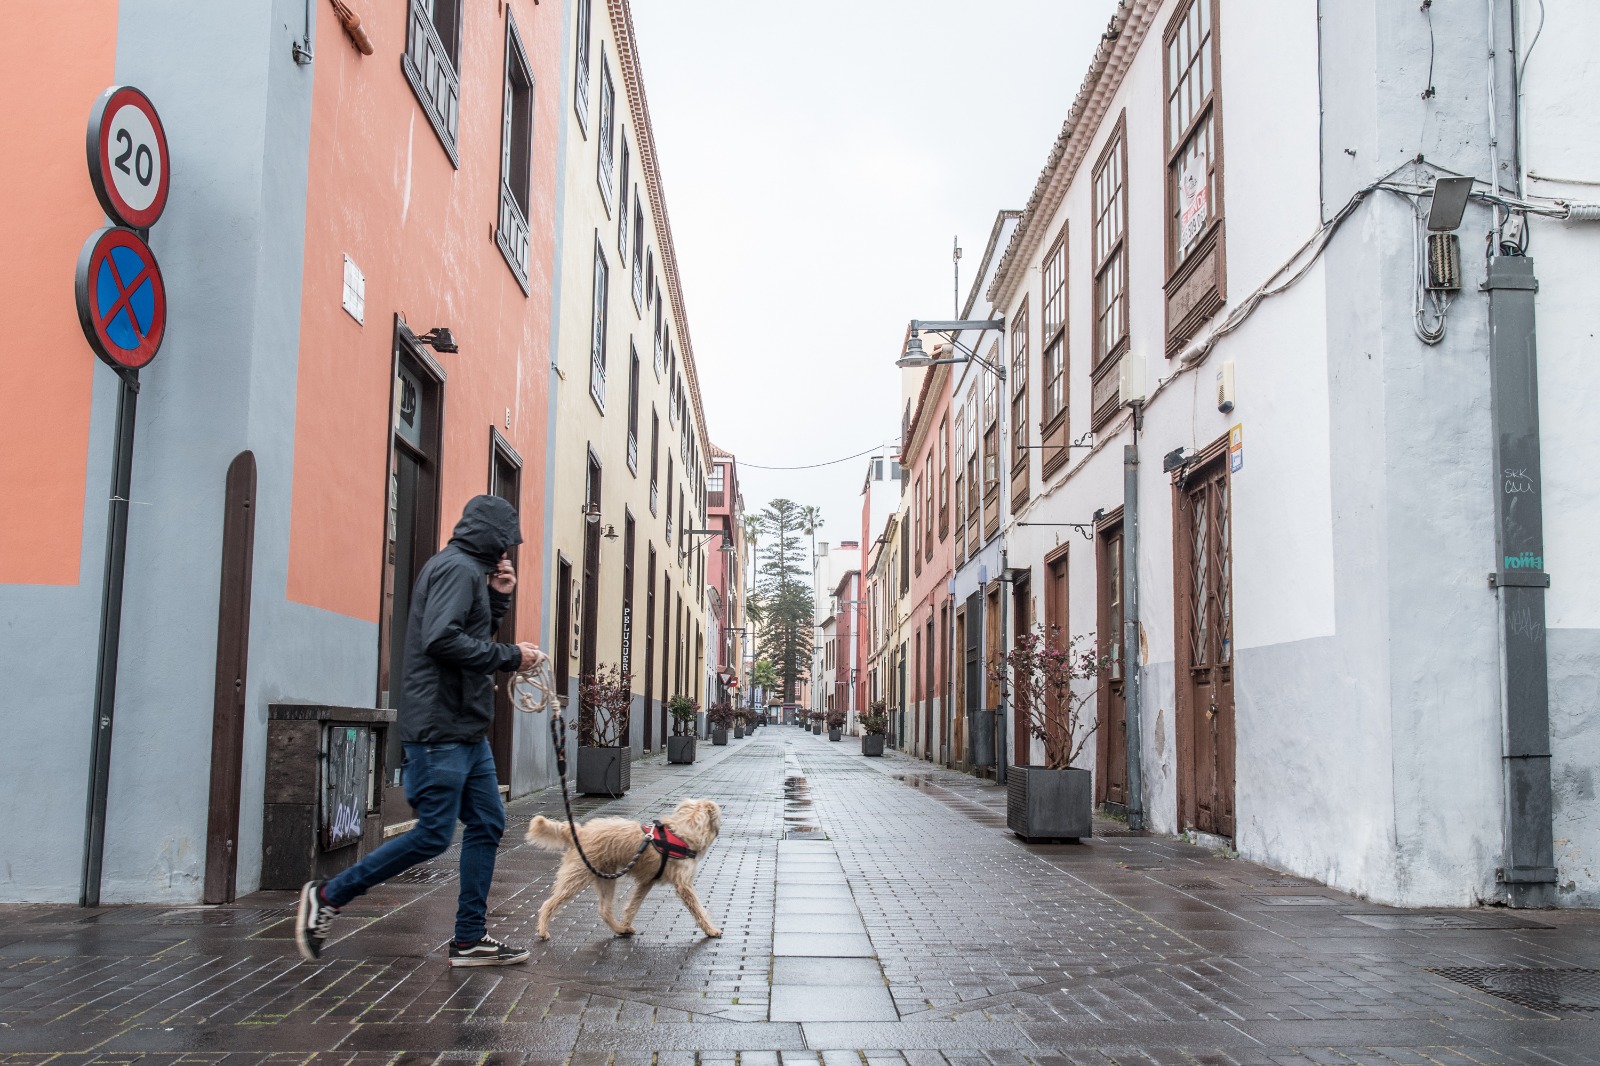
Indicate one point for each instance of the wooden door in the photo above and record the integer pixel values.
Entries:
(588, 639)
(1204, 563)
(1111, 709)
(505, 481)
(233, 660)
(1021, 714)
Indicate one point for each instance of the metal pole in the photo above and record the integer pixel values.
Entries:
(1000, 713)
(1519, 576)
(105, 688)
(1132, 660)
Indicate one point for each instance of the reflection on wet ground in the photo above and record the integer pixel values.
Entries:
(873, 907)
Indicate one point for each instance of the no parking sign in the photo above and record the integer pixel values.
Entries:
(122, 301)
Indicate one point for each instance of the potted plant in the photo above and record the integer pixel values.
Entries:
(605, 710)
(719, 718)
(816, 722)
(739, 728)
(1049, 683)
(874, 728)
(835, 725)
(680, 745)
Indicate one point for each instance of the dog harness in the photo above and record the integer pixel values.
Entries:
(668, 843)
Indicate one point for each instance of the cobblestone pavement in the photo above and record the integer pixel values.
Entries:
(874, 911)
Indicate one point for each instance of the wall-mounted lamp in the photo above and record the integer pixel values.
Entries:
(591, 513)
(610, 533)
(441, 340)
(1172, 460)
(1449, 203)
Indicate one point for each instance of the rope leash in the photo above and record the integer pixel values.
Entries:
(533, 690)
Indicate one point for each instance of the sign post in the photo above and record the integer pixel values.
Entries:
(122, 306)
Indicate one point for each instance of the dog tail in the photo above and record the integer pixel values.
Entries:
(553, 836)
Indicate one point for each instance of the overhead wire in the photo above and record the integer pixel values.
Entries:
(815, 466)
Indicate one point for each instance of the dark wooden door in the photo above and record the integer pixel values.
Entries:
(1021, 714)
(233, 659)
(1204, 559)
(588, 639)
(505, 481)
(1111, 712)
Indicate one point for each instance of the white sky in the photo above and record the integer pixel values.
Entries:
(817, 160)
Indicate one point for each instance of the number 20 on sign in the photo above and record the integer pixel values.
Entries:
(128, 161)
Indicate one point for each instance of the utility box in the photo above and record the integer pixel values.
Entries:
(324, 790)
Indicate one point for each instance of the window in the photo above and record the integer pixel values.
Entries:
(715, 482)
(658, 342)
(1110, 249)
(991, 428)
(916, 504)
(622, 216)
(650, 286)
(944, 477)
(1194, 172)
(608, 121)
(974, 486)
(580, 65)
(1019, 387)
(1053, 332)
(597, 339)
(516, 157)
(633, 407)
(432, 64)
(638, 254)
(655, 454)
(961, 482)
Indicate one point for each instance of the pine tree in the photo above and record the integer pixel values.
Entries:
(784, 589)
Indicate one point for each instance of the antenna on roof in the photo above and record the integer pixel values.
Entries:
(955, 260)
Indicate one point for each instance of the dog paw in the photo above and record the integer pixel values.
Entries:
(627, 932)
(544, 936)
(713, 933)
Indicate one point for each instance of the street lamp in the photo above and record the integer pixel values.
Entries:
(914, 357)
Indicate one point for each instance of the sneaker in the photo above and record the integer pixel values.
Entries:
(486, 952)
(312, 920)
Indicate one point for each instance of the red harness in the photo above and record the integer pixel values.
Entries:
(668, 843)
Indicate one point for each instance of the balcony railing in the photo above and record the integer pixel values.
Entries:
(633, 452)
(654, 495)
(715, 498)
(433, 77)
(512, 236)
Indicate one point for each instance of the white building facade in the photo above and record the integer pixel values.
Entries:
(1335, 666)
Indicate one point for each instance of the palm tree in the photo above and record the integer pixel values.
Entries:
(811, 520)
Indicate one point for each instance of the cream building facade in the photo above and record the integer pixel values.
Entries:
(628, 450)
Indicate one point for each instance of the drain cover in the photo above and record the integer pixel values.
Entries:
(208, 916)
(1294, 901)
(1546, 990)
(1190, 886)
(425, 875)
(1469, 920)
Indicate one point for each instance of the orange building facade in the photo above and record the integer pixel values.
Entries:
(360, 257)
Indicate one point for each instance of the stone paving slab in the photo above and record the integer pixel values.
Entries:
(973, 948)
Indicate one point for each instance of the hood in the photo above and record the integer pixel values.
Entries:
(487, 528)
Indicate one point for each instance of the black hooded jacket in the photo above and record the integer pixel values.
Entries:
(447, 693)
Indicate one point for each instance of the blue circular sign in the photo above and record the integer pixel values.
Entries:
(122, 299)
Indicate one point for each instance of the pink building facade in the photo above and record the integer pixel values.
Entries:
(926, 458)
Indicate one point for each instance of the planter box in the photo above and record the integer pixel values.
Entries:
(816, 730)
(1049, 804)
(835, 734)
(738, 732)
(872, 744)
(680, 750)
(719, 736)
(604, 771)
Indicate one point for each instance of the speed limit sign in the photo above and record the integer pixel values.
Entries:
(128, 162)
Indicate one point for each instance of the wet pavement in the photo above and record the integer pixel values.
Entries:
(873, 910)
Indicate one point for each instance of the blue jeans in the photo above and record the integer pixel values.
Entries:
(444, 783)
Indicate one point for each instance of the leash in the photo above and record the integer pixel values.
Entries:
(534, 690)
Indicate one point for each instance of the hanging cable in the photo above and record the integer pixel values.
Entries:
(814, 466)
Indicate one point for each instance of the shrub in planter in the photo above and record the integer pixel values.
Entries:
(1051, 684)
(836, 721)
(680, 745)
(816, 718)
(741, 725)
(719, 718)
(874, 728)
(605, 710)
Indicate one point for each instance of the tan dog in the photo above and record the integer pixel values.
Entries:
(610, 843)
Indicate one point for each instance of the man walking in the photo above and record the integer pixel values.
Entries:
(446, 706)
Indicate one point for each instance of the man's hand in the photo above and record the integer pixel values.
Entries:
(504, 578)
(531, 655)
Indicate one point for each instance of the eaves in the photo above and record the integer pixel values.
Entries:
(1118, 45)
